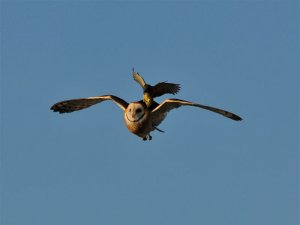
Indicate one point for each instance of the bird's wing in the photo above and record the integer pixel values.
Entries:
(82, 103)
(164, 88)
(137, 77)
(159, 113)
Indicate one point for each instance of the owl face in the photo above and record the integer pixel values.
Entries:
(135, 112)
(137, 119)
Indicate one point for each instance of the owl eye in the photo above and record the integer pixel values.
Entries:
(139, 110)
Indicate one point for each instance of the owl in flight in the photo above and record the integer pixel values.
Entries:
(157, 90)
(138, 118)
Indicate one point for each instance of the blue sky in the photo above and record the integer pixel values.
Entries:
(86, 168)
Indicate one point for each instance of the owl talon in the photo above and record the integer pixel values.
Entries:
(148, 137)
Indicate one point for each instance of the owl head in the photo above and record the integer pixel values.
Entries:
(135, 112)
(138, 120)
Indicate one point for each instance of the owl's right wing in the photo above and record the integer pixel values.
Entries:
(82, 103)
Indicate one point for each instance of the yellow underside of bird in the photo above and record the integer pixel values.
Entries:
(148, 99)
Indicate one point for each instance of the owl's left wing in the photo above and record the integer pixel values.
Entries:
(82, 103)
(159, 113)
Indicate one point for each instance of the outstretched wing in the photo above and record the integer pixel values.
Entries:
(159, 113)
(164, 88)
(137, 77)
(82, 103)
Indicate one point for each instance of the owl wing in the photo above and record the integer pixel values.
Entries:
(137, 77)
(159, 113)
(82, 103)
(164, 88)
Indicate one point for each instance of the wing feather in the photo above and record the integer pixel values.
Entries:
(137, 77)
(82, 103)
(164, 88)
(159, 113)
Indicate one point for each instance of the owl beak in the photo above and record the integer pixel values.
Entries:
(133, 115)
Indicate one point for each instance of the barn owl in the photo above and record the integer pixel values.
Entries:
(157, 90)
(138, 118)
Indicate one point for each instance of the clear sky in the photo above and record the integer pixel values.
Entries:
(85, 168)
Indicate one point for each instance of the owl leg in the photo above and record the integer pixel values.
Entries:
(148, 137)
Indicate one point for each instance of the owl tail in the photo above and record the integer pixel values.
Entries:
(156, 128)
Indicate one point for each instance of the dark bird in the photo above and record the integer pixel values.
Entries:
(150, 92)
